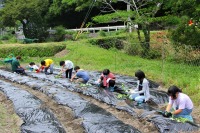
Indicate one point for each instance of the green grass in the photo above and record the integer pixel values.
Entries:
(92, 57)
(7, 121)
(2, 116)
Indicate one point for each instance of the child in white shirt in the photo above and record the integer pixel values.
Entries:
(33, 67)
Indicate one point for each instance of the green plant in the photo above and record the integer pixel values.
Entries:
(186, 34)
(6, 37)
(59, 34)
(13, 40)
(32, 50)
(109, 42)
(102, 33)
(4, 116)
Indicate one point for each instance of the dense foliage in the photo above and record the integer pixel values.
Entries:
(109, 42)
(31, 50)
(188, 29)
(36, 15)
(186, 34)
(30, 13)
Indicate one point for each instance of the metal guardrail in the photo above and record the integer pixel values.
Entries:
(108, 28)
(94, 29)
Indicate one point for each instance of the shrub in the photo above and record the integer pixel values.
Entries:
(70, 35)
(120, 31)
(83, 35)
(185, 34)
(13, 40)
(60, 33)
(6, 37)
(109, 42)
(152, 54)
(132, 48)
(36, 29)
(102, 33)
(32, 50)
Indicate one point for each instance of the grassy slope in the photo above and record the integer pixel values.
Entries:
(94, 58)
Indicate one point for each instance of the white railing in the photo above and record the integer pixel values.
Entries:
(108, 28)
(94, 29)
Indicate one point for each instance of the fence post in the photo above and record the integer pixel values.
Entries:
(163, 56)
(115, 61)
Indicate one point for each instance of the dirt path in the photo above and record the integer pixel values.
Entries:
(10, 122)
(61, 53)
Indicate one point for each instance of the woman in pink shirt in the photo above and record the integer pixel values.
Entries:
(182, 103)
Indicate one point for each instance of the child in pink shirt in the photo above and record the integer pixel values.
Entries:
(105, 77)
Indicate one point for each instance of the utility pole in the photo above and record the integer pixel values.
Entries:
(129, 25)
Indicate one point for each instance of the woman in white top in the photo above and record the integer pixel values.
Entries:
(67, 67)
(141, 93)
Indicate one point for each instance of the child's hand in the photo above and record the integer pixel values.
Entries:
(96, 82)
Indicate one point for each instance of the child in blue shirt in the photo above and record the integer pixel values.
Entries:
(82, 75)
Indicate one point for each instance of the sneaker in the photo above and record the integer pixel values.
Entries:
(25, 74)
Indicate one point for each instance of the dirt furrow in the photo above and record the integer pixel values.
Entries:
(142, 125)
(62, 113)
(10, 122)
(74, 125)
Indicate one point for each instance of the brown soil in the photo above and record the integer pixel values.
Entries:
(61, 53)
(10, 122)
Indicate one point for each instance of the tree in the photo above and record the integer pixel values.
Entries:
(142, 13)
(31, 14)
(188, 29)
